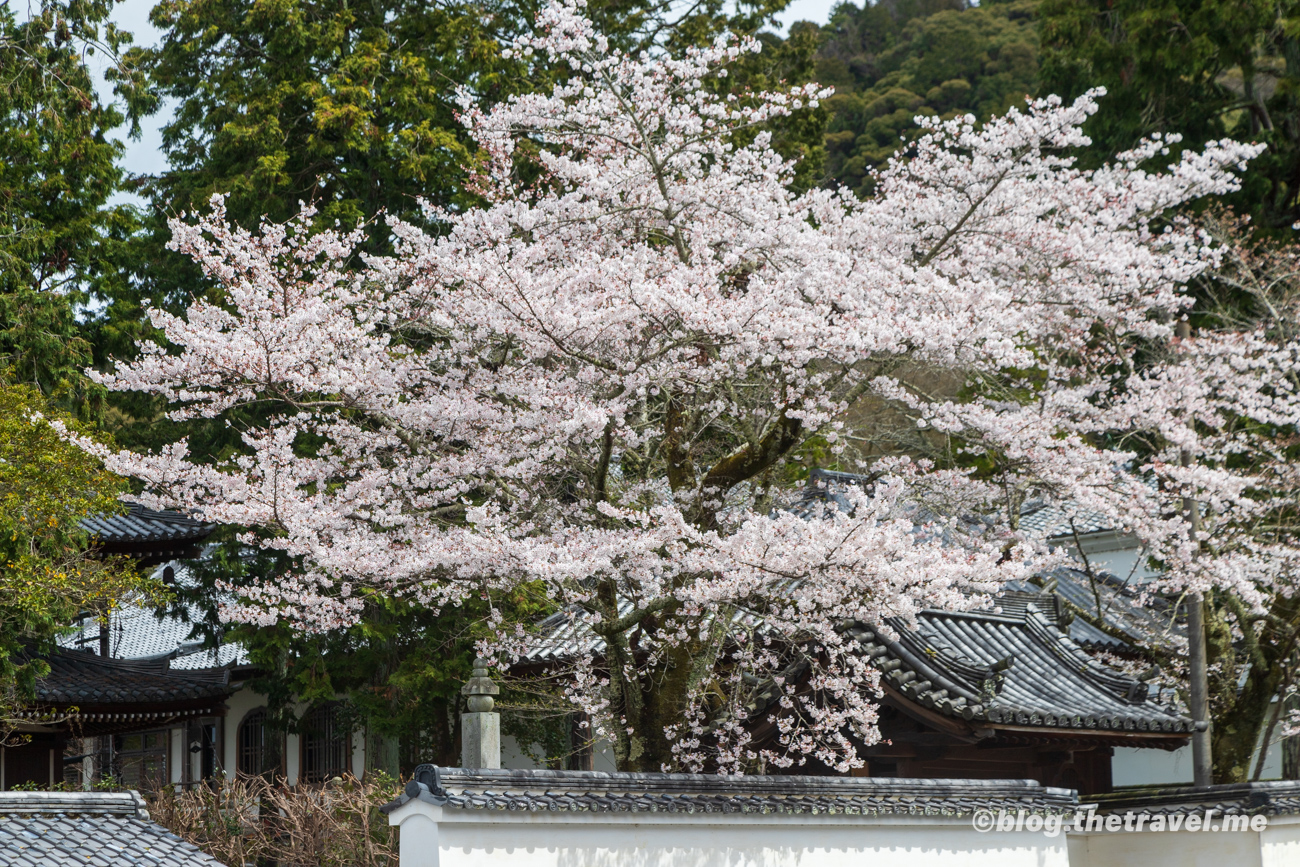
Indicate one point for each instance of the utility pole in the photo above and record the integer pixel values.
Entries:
(1198, 664)
(1202, 759)
(106, 632)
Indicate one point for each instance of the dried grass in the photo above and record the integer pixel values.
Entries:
(253, 821)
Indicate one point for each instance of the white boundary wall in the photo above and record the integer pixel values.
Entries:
(1278, 845)
(436, 836)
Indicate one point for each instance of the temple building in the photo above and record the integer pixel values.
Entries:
(1013, 692)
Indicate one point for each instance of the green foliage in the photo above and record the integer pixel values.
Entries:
(279, 102)
(892, 61)
(785, 63)
(47, 573)
(1204, 69)
(342, 103)
(56, 179)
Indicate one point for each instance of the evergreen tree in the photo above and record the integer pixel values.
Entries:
(1203, 69)
(49, 573)
(56, 181)
(894, 60)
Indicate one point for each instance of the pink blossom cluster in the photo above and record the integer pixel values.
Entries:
(596, 381)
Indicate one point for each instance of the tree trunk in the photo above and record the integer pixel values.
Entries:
(1240, 715)
(1199, 693)
(1237, 732)
(1291, 758)
(648, 700)
(664, 693)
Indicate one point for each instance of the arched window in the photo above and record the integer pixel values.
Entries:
(256, 752)
(326, 747)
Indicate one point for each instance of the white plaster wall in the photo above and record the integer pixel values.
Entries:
(292, 751)
(1131, 766)
(358, 754)
(1280, 843)
(1110, 552)
(428, 839)
(238, 706)
(514, 758)
(177, 757)
(1177, 849)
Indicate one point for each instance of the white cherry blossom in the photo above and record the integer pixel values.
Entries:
(595, 383)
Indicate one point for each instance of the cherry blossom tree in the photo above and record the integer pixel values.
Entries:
(1252, 310)
(1193, 438)
(1219, 422)
(602, 384)
(1216, 418)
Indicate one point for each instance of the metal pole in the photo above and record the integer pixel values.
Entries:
(1202, 758)
(1197, 653)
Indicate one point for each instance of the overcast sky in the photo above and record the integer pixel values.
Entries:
(144, 156)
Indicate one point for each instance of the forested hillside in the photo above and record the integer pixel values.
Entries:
(899, 58)
(1199, 69)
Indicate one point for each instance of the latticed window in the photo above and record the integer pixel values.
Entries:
(255, 753)
(326, 747)
(141, 759)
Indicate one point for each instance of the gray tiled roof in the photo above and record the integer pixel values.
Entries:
(566, 633)
(105, 829)
(950, 663)
(1086, 635)
(596, 791)
(1269, 797)
(946, 664)
(1019, 594)
(139, 632)
(1052, 521)
(1130, 615)
(83, 679)
(146, 525)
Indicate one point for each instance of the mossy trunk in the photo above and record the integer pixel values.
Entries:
(648, 700)
(1237, 731)
(1241, 715)
(664, 694)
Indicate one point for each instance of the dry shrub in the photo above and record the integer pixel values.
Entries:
(251, 821)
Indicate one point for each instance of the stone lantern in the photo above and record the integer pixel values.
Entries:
(480, 726)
